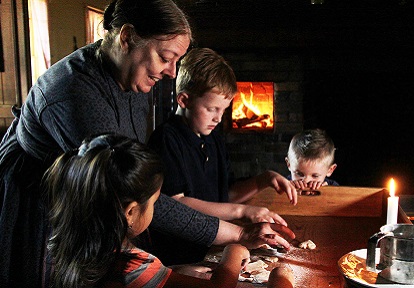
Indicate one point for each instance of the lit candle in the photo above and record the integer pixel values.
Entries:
(392, 211)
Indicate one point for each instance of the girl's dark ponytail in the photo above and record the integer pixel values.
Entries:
(88, 190)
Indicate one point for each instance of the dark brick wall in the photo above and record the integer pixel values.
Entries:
(254, 151)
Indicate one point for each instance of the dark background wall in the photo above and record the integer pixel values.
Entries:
(356, 77)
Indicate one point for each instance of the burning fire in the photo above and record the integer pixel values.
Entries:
(253, 105)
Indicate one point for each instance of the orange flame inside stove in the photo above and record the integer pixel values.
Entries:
(253, 105)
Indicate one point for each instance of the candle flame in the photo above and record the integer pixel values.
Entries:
(392, 187)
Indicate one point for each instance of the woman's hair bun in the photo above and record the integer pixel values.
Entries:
(108, 15)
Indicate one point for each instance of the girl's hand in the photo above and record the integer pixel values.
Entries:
(281, 277)
(236, 254)
(236, 249)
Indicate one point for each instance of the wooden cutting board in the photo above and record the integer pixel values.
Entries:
(328, 201)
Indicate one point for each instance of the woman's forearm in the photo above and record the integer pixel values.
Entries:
(174, 218)
(227, 233)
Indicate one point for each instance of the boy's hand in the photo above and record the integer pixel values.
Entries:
(280, 184)
(314, 185)
(311, 185)
(261, 214)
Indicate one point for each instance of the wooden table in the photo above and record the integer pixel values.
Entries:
(339, 220)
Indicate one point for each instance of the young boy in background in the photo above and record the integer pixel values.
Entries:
(194, 153)
(311, 160)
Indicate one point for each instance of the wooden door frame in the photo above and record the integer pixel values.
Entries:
(15, 81)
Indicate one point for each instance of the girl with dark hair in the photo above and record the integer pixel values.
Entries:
(100, 197)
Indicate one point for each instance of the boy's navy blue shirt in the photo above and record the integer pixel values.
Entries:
(199, 167)
(196, 166)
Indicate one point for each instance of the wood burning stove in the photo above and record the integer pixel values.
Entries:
(253, 106)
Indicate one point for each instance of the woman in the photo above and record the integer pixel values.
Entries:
(98, 88)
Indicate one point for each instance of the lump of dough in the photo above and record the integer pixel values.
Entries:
(307, 245)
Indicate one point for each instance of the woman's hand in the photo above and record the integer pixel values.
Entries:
(255, 235)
